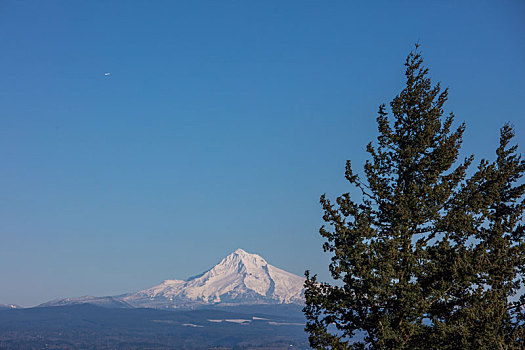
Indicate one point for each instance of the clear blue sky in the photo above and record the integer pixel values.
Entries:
(221, 124)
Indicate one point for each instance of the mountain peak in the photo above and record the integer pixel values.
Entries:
(240, 262)
(244, 254)
(239, 278)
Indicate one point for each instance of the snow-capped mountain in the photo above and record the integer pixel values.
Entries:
(238, 279)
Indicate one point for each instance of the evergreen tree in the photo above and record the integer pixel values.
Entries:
(428, 257)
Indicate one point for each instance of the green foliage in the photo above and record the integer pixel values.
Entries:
(429, 257)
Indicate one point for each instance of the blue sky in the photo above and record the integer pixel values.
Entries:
(221, 124)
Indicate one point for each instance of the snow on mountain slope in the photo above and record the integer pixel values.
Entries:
(240, 278)
(108, 302)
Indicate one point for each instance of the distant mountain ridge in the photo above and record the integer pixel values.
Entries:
(108, 302)
(240, 278)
